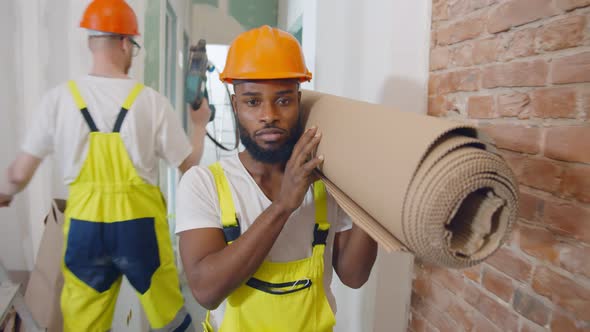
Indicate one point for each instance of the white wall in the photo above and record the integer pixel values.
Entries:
(376, 51)
(12, 248)
(42, 57)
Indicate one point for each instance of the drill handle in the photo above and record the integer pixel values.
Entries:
(196, 104)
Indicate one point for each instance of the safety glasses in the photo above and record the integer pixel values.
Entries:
(136, 46)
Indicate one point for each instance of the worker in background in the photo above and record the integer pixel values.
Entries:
(259, 235)
(109, 133)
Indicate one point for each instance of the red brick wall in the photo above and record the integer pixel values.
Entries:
(521, 70)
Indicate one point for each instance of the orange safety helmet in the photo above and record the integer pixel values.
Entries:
(265, 53)
(110, 16)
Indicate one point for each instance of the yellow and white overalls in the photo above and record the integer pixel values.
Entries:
(116, 225)
(280, 296)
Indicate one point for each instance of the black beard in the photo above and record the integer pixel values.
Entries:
(277, 155)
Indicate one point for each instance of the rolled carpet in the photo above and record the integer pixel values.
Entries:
(431, 186)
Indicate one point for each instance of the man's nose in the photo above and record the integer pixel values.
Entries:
(269, 113)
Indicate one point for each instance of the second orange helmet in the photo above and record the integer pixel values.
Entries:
(111, 16)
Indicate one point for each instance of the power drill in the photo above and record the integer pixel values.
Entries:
(196, 78)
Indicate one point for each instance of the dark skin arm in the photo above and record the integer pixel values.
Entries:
(214, 269)
(353, 256)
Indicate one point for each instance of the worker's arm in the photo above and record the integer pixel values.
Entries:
(199, 118)
(214, 269)
(17, 176)
(353, 257)
(37, 144)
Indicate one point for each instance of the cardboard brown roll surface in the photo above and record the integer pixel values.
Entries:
(45, 285)
(414, 182)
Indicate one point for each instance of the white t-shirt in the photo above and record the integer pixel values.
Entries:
(151, 130)
(198, 207)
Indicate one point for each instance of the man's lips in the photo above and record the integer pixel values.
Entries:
(270, 134)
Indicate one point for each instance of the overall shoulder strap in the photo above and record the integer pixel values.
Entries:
(229, 219)
(322, 226)
(81, 104)
(127, 105)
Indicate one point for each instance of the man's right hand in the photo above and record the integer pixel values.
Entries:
(200, 117)
(214, 269)
(299, 172)
(5, 200)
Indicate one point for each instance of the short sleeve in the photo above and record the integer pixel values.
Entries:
(172, 143)
(39, 139)
(341, 221)
(197, 204)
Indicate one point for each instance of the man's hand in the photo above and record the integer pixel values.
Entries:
(299, 173)
(5, 200)
(200, 117)
(213, 268)
(17, 177)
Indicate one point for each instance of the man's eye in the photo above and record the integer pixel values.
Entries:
(252, 102)
(284, 101)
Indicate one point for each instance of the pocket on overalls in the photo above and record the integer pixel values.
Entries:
(279, 288)
(87, 256)
(277, 306)
(135, 250)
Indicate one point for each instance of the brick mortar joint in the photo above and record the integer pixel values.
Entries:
(488, 8)
(493, 296)
(531, 122)
(428, 323)
(525, 287)
(503, 274)
(579, 280)
(438, 310)
(499, 271)
(519, 89)
(459, 298)
(547, 196)
(536, 23)
(559, 240)
(462, 97)
(549, 56)
(460, 18)
(581, 98)
(516, 285)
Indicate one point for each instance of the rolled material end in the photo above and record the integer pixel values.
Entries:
(487, 212)
(461, 206)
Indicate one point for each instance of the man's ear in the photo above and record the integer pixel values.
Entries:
(234, 103)
(127, 46)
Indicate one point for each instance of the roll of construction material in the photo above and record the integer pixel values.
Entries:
(430, 186)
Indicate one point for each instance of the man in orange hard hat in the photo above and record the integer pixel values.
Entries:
(259, 235)
(109, 133)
